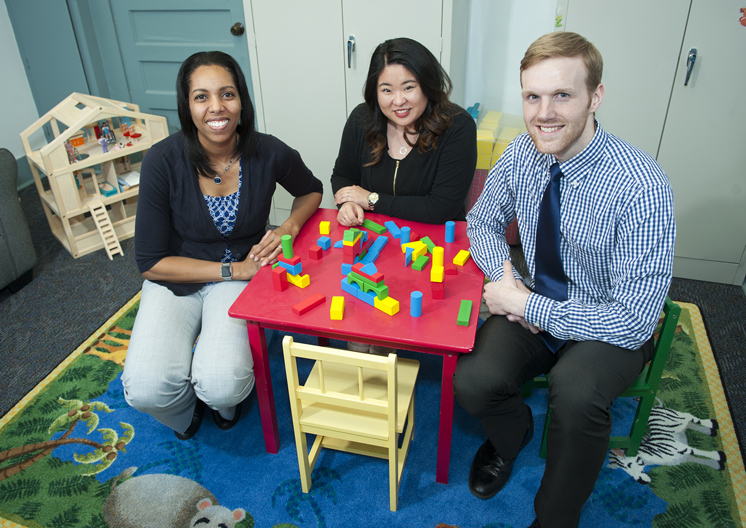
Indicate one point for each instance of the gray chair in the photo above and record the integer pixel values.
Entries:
(17, 255)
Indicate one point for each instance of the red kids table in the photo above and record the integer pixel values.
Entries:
(435, 332)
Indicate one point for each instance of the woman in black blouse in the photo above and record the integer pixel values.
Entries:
(200, 235)
(407, 151)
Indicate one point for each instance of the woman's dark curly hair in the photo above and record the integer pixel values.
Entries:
(435, 85)
(246, 143)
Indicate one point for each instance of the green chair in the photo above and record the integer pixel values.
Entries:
(645, 387)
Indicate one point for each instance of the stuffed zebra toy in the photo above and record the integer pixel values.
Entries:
(666, 445)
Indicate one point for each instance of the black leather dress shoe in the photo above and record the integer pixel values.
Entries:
(199, 410)
(224, 424)
(489, 471)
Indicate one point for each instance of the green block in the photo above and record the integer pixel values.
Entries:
(429, 243)
(287, 246)
(421, 262)
(376, 228)
(350, 234)
(464, 312)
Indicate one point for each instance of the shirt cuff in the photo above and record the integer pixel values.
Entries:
(538, 310)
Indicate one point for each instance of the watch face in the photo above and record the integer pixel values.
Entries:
(373, 198)
(225, 271)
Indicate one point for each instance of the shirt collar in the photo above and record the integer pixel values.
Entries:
(576, 168)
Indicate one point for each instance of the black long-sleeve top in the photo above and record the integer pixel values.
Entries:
(429, 187)
(172, 215)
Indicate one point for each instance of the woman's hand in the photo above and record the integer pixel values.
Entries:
(350, 215)
(245, 269)
(352, 193)
(266, 251)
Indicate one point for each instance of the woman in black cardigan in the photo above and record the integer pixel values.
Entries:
(200, 235)
(406, 152)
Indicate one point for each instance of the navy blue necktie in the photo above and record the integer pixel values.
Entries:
(550, 276)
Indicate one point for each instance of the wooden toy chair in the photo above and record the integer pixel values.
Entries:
(353, 402)
(645, 387)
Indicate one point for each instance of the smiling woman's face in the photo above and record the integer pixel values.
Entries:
(214, 104)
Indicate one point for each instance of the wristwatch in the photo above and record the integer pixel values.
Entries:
(226, 271)
(372, 200)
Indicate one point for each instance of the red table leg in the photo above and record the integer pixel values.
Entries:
(446, 418)
(263, 385)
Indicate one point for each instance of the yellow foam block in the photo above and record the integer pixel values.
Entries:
(324, 228)
(388, 305)
(437, 273)
(485, 135)
(419, 248)
(437, 256)
(299, 280)
(337, 309)
(461, 258)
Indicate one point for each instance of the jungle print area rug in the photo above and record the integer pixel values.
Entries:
(73, 454)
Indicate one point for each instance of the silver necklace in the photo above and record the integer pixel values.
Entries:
(219, 177)
(403, 150)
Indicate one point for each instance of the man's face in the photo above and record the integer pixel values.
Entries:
(557, 108)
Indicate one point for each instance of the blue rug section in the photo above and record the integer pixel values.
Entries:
(352, 491)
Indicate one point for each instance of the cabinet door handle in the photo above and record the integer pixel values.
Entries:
(350, 49)
(690, 64)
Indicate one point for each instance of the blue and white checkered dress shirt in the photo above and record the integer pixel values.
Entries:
(617, 236)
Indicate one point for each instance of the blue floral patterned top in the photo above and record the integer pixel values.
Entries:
(223, 210)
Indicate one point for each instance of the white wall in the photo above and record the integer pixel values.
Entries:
(499, 33)
(19, 110)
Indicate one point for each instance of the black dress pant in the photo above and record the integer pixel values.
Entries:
(584, 379)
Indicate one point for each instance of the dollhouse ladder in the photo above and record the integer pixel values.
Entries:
(105, 229)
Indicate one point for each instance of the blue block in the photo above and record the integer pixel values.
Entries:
(408, 259)
(415, 305)
(346, 269)
(404, 238)
(293, 270)
(354, 290)
(339, 244)
(393, 228)
(324, 242)
(450, 231)
(370, 269)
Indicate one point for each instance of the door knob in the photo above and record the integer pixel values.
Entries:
(350, 49)
(691, 58)
(237, 29)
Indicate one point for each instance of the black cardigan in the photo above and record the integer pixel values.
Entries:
(430, 187)
(173, 218)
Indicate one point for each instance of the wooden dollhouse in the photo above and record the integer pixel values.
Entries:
(87, 174)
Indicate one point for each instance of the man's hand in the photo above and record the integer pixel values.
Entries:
(508, 297)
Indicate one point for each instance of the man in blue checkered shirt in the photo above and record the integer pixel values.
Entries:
(616, 242)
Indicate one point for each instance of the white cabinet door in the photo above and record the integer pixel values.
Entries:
(370, 23)
(703, 145)
(640, 42)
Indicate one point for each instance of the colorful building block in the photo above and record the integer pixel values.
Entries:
(309, 303)
(373, 226)
(464, 312)
(436, 273)
(324, 228)
(450, 268)
(429, 243)
(374, 250)
(279, 278)
(438, 290)
(315, 253)
(287, 246)
(299, 280)
(420, 263)
(393, 228)
(418, 246)
(292, 264)
(404, 235)
(324, 242)
(415, 304)
(388, 305)
(437, 252)
(450, 231)
(337, 310)
(461, 258)
(408, 256)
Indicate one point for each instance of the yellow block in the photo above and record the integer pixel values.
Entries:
(437, 256)
(299, 280)
(437, 273)
(337, 309)
(356, 241)
(419, 248)
(388, 305)
(324, 228)
(460, 259)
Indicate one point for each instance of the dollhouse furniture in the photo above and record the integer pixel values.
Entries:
(17, 255)
(352, 402)
(77, 172)
(435, 332)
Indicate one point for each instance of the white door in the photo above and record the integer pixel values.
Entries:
(640, 42)
(703, 145)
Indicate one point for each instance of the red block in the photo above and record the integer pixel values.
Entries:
(311, 302)
(315, 252)
(279, 278)
(292, 261)
(377, 277)
(438, 289)
(413, 236)
(451, 269)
